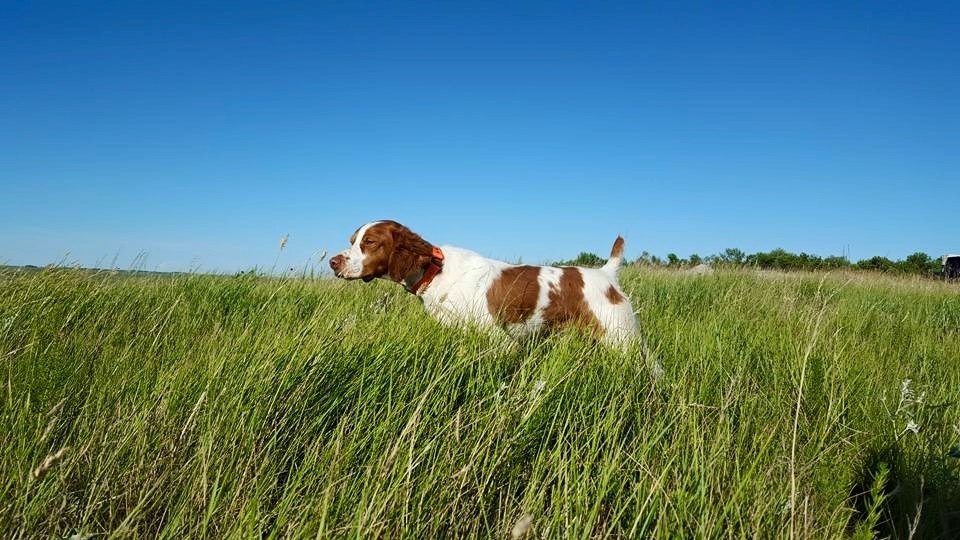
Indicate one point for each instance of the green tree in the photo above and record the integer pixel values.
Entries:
(881, 264)
(919, 263)
(585, 258)
(732, 256)
(836, 261)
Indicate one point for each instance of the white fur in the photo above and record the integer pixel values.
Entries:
(459, 295)
(354, 258)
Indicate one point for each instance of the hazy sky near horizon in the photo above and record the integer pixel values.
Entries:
(200, 134)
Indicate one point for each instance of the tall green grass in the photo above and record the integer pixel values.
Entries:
(791, 406)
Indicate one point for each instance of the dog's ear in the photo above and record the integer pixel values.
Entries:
(410, 253)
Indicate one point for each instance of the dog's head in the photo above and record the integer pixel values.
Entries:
(382, 248)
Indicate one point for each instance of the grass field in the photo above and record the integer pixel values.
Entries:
(804, 406)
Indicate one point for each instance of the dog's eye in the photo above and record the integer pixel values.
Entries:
(368, 241)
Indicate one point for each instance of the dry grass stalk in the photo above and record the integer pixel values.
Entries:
(521, 527)
(49, 462)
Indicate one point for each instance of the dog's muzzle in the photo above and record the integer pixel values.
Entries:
(336, 264)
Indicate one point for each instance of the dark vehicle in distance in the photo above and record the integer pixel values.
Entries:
(951, 267)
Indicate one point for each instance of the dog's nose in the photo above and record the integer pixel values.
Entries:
(336, 262)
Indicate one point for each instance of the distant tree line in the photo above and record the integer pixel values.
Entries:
(777, 259)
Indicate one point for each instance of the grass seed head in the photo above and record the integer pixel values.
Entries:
(521, 527)
(49, 462)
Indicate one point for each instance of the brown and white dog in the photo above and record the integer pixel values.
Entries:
(459, 286)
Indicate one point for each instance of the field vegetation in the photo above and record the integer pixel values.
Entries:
(805, 405)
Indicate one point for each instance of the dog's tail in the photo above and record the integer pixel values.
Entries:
(616, 257)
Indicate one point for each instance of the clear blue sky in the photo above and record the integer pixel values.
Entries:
(202, 133)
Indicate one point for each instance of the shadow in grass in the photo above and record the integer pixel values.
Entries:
(896, 496)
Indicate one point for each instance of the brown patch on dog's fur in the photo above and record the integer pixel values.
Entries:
(512, 298)
(568, 305)
(392, 249)
(613, 295)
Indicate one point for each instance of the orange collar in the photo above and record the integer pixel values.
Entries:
(436, 265)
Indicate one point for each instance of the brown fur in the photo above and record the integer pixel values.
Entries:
(392, 249)
(617, 250)
(567, 304)
(613, 295)
(512, 298)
